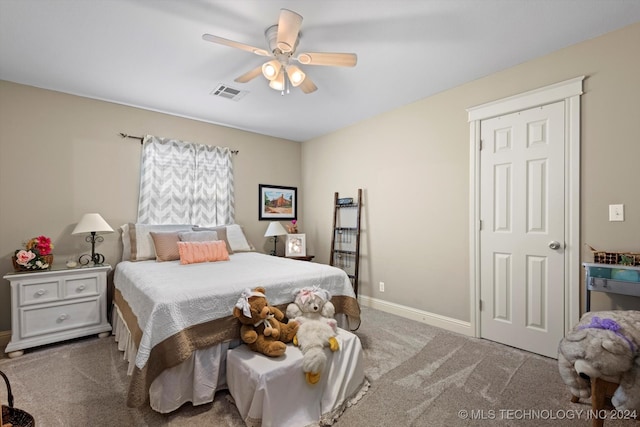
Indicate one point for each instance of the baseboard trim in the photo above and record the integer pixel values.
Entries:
(432, 319)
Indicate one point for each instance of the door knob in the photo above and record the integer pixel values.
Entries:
(554, 245)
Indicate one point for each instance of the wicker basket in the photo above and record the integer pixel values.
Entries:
(14, 416)
(602, 257)
(17, 267)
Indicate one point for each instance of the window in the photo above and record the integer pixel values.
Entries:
(185, 183)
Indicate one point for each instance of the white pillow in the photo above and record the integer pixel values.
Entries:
(126, 242)
(198, 236)
(237, 239)
(142, 247)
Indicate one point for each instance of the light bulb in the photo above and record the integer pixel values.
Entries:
(271, 69)
(275, 84)
(278, 82)
(296, 75)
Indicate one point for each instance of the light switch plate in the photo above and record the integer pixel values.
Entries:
(616, 212)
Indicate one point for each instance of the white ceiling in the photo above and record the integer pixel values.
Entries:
(150, 54)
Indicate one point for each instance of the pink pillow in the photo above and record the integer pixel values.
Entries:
(194, 252)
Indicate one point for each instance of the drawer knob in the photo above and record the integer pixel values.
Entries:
(63, 317)
(81, 287)
(41, 292)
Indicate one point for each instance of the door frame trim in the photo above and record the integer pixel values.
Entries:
(568, 91)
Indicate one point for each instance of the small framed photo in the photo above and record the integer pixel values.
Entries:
(295, 245)
(277, 203)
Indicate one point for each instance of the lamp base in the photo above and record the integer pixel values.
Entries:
(95, 258)
(274, 252)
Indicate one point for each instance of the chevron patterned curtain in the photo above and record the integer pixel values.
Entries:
(185, 183)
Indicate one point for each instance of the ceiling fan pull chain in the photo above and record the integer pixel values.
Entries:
(285, 87)
(287, 83)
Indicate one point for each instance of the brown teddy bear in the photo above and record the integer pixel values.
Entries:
(262, 328)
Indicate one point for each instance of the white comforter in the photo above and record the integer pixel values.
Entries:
(167, 297)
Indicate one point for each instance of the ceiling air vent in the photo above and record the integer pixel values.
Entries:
(228, 92)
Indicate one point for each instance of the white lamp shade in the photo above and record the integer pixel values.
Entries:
(271, 69)
(296, 75)
(278, 82)
(92, 222)
(275, 229)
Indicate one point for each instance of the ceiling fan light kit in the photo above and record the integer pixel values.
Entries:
(271, 69)
(278, 83)
(282, 40)
(295, 74)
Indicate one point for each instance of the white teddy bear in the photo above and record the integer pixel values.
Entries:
(604, 345)
(314, 311)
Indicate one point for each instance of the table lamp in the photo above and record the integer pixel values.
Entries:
(274, 230)
(92, 223)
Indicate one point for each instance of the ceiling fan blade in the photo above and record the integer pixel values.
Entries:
(327, 58)
(307, 85)
(249, 75)
(237, 45)
(288, 29)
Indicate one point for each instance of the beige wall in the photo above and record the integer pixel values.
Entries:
(61, 156)
(413, 164)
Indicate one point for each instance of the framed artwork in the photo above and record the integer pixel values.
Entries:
(277, 203)
(295, 245)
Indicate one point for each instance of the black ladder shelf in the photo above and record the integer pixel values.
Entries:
(345, 241)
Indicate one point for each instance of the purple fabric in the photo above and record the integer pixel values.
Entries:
(609, 324)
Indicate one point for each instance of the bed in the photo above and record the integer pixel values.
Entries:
(174, 324)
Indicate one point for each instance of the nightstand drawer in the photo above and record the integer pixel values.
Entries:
(80, 287)
(37, 292)
(40, 320)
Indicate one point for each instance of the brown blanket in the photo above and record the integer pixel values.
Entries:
(179, 347)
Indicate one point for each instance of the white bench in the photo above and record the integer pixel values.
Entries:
(273, 391)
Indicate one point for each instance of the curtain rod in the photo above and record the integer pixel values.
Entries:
(141, 139)
(124, 135)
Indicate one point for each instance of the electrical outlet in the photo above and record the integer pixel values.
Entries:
(381, 286)
(616, 212)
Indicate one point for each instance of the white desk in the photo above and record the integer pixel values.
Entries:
(611, 278)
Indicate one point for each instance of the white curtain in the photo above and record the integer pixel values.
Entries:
(185, 183)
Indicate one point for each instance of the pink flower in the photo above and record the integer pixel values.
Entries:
(43, 245)
(293, 228)
(23, 257)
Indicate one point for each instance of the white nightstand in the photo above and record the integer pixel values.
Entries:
(56, 305)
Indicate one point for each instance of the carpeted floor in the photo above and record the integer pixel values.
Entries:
(420, 376)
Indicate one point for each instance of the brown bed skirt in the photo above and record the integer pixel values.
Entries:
(180, 346)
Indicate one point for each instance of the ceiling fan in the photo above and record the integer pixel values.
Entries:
(282, 41)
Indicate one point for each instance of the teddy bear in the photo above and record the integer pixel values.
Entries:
(604, 344)
(261, 324)
(314, 311)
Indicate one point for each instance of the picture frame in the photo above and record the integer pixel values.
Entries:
(276, 202)
(295, 245)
